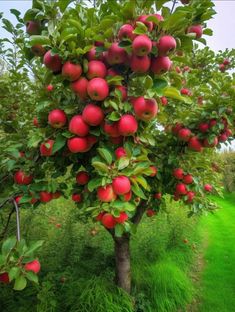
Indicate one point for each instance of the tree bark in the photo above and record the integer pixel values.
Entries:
(123, 264)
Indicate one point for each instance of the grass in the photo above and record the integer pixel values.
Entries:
(218, 276)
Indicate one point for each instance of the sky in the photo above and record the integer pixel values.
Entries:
(223, 24)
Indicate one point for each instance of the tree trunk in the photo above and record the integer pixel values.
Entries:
(123, 265)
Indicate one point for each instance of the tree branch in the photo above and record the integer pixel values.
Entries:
(2, 235)
(139, 213)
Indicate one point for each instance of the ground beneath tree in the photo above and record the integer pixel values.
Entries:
(214, 272)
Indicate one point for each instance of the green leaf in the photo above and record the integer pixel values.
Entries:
(14, 273)
(119, 229)
(142, 181)
(106, 155)
(17, 15)
(123, 162)
(38, 39)
(8, 25)
(114, 116)
(159, 4)
(174, 93)
(31, 276)
(94, 183)
(101, 167)
(30, 14)
(59, 143)
(63, 4)
(138, 192)
(36, 245)
(8, 245)
(20, 283)
(140, 29)
(128, 10)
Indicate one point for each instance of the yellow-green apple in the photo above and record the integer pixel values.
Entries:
(98, 89)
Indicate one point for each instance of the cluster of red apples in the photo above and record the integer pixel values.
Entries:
(223, 66)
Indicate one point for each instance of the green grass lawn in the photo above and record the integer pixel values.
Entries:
(218, 276)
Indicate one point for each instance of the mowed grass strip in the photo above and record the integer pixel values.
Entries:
(218, 276)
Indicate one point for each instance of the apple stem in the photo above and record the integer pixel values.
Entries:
(17, 220)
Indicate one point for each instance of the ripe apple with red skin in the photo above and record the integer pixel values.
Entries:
(100, 216)
(188, 179)
(50, 88)
(4, 278)
(123, 91)
(35, 122)
(159, 17)
(78, 145)
(33, 28)
(150, 213)
(57, 118)
(82, 178)
(143, 19)
(38, 50)
(79, 87)
(45, 197)
(166, 45)
(208, 188)
(121, 185)
(77, 198)
(196, 29)
(164, 100)
(154, 171)
(185, 91)
(52, 62)
(185, 1)
(226, 62)
(120, 152)
(98, 89)
(106, 193)
(181, 189)
(176, 128)
(142, 45)
(111, 129)
(122, 217)
(126, 32)
(228, 132)
(93, 115)
(71, 71)
(195, 144)
(178, 173)
(190, 197)
(212, 123)
(213, 144)
(127, 197)
(112, 72)
(17, 199)
(78, 126)
(127, 125)
(184, 134)
(33, 266)
(160, 65)
(222, 68)
(96, 69)
(157, 196)
(46, 148)
(140, 64)
(108, 221)
(222, 137)
(116, 55)
(203, 127)
(92, 55)
(22, 178)
(145, 109)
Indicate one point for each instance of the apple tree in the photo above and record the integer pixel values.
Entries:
(133, 111)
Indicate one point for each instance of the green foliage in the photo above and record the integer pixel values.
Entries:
(227, 160)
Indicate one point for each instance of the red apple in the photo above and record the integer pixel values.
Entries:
(116, 54)
(127, 197)
(78, 145)
(80, 87)
(141, 45)
(160, 64)
(106, 193)
(222, 137)
(46, 148)
(140, 64)
(33, 28)
(143, 19)
(77, 198)
(50, 88)
(52, 62)
(45, 197)
(184, 134)
(185, 91)
(127, 125)
(208, 188)
(17, 199)
(122, 217)
(150, 213)
(33, 266)
(196, 29)
(98, 89)
(57, 118)
(108, 221)
(71, 71)
(176, 128)
(112, 72)
(4, 278)
(35, 122)
(195, 144)
(82, 178)
(222, 68)
(190, 197)
(213, 144)
(21, 178)
(212, 123)
(158, 196)
(188, 179)
(154, 171)
(203, 127)
(166, 45)
(123, 90)
(100, 216)
(93, 115)
(126, 32)
(226, 62)
(96, 69)
(178, 173)
(78, 126)
(181, 189)
(120, 152)
(92, 55)
(164, 100)
(111, 129)
(121, 185)
(38, 50)
(145, 109)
